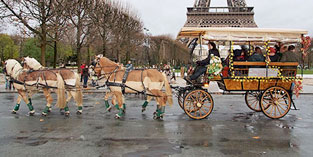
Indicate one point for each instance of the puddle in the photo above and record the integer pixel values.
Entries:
(149, 147)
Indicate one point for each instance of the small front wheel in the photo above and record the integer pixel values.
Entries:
(252, 99)
(275, 102)
(198, 104)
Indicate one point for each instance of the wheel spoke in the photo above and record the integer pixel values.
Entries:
(282, 96)
(271, 112)
(256, 104)
(274, 110)
(204, 110)
(278, 106)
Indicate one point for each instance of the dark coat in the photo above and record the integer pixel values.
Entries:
(256, 57)
(207, 60)
(289, 57)
(85, 72)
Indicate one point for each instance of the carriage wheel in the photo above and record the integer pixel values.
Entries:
(198, 104)
(253, 100)
(275, 102)
(181, 99)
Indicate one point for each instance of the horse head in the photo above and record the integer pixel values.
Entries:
(31, 64)
(104, 66)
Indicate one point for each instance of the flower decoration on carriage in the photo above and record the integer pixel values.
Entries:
(215, 67)
(306, 43)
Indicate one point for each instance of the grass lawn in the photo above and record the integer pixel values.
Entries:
(308, 71)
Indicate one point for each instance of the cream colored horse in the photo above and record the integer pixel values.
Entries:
(27, 83)
(149, 80)
(71, 81)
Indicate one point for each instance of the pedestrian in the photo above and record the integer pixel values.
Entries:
(82, 67)
(173, 75)
(85, 76)
(7, 82)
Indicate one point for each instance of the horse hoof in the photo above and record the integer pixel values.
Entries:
(62, 112)
(13, 112)
(44, 114)
(49, 110)
(31, 113)
(67, 114)
(79, 112)
(117, 116)
(143, 109)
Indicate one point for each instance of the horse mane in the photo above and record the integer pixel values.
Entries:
(13, 65)
(33, 63)
(107, 62)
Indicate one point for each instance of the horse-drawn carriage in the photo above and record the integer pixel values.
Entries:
(268, 85)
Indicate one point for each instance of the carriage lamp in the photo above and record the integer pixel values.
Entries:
(206, 85)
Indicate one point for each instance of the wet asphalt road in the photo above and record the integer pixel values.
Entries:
(231, 130)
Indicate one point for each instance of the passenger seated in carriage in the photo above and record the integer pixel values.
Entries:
(202, 65)
(273, 56)
(257, 56)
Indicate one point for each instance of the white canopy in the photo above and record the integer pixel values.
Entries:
(243, 34)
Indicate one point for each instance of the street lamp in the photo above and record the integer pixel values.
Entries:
(147, 43)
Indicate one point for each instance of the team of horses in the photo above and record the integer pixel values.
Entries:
(33, 77)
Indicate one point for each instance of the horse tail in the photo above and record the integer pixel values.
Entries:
(61, 102)
(168, 90)
(79, 92)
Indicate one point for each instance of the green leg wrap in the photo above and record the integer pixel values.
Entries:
(121, 112)
(66, 109)
(124, 106)
(117, 107)
(107, 105)
(46, 110)
(160, 111)
(80, 107)
(30, 100)
(17, 107)
(30, 106)
(145, 104)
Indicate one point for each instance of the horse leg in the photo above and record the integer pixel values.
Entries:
(145, 104)
(79, 103)
(161, 103)
(23, 94)
(119, 98)
(18, 104)
(66, 109)
(49, 101)
(106, 101)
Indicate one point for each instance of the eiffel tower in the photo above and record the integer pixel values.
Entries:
(237, 14)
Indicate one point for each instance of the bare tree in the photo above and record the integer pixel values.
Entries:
(102, 18)
(58, 25)
(33, 14)
(78, 13)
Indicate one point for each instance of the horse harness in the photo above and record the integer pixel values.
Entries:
(124, 80)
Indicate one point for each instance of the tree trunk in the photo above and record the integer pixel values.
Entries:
(104, 45)
(55, 49)
(88, 55)
(78, 47)
(43, 45)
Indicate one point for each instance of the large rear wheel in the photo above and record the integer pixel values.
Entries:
(198, 104)
(275, 102)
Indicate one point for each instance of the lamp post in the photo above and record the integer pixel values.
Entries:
(147, 44)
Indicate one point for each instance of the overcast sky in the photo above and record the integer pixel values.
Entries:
(168, 16)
